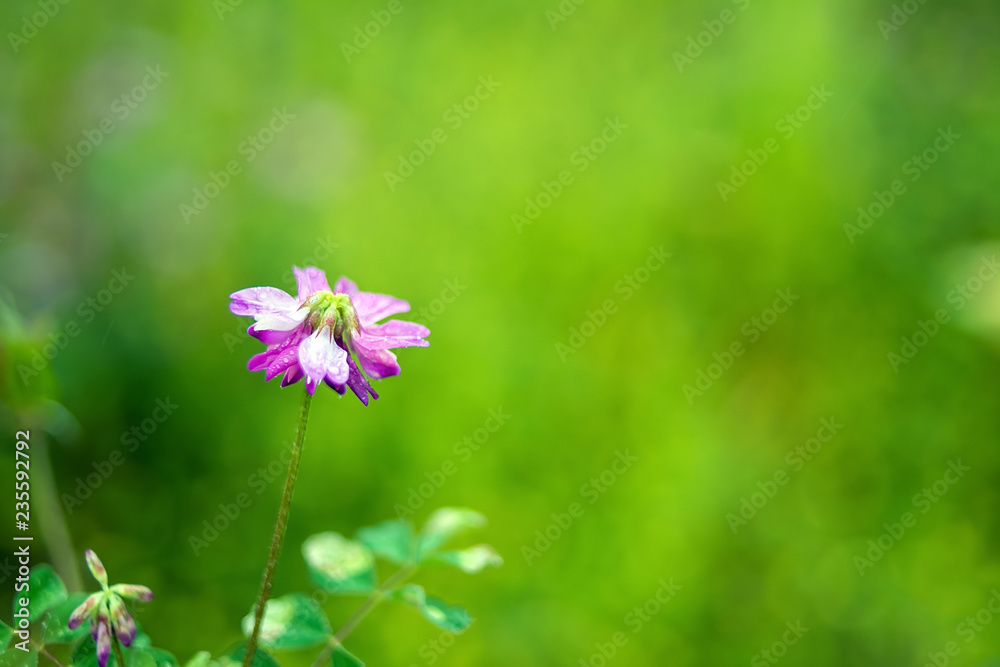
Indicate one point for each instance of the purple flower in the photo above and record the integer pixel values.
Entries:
(326, 335)
(106, 610)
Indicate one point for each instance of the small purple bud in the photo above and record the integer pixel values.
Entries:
(97, 568)
(123, 624)
(133, 592)
(80, 614)
(103, 640)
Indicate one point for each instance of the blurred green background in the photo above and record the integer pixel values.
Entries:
(318, 193)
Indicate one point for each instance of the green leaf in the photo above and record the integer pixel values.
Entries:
(292, 621)
(344, 658)
(6, 632)
(444, 524)
(449, 617)
(261, 658)
(392, 540)
(141, 659)
(200, 659)
(45, 590)
(15, 657)
(338, 564)
(472, 560)
(85, 655)
(55, 625)
(160, 657)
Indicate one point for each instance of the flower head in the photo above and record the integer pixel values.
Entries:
(326, 335)
(106, 610)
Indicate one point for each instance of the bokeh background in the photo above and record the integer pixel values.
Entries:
(317, 193)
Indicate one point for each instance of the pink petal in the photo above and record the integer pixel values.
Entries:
(373, 307)
(256, 300)
(268, 336)
(292, 375)
(259, 362)
(359, 383)
(345, 286)
(377, 363)
(284, 321)
(395, 333)
(321, 358)
(310, 279)
(281, 361)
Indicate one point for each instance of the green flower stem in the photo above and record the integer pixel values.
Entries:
(42, 651)
(366, 608)
(118, 649)
(279, 529)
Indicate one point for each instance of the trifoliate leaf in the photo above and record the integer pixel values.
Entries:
(160, 657)
(200, 659)
(472, 560)
(449, 617)
(292, 621)
(344, 658)
(45, 590)
(391, 540)
(55, 625)
(444, 524)
(141, 659)
(234, 657)
(338, 564)
(15, 657)
(6, 632)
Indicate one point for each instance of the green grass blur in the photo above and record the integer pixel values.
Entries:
(318, 194)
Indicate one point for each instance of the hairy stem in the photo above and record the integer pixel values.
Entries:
(279, 529)
(366, 608)
(42, 651)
